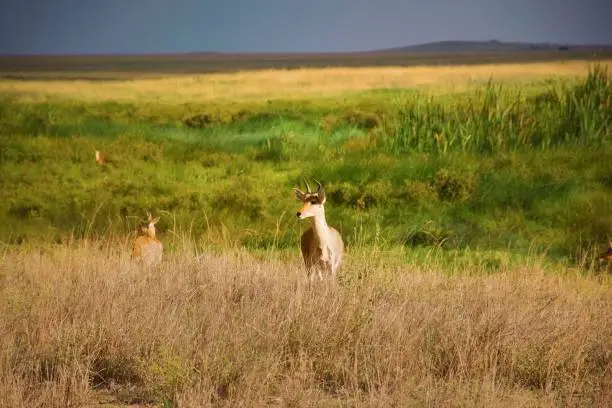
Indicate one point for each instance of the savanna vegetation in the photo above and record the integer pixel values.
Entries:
(472, 207)
(501, 166)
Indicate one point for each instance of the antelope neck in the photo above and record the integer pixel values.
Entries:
(319, 225)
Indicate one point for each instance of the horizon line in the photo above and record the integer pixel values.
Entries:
(401, 48)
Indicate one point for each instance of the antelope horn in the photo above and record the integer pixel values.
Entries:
(299, 192)
(308, 190)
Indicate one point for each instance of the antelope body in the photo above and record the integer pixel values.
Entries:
(147, 248)
(607, 256)
(322, 246)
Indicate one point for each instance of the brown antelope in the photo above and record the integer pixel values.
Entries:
(147, 248)
(102, 158)
(322, 246)
(607, 256)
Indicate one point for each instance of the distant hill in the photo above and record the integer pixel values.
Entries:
(493, 45)
(126, 66)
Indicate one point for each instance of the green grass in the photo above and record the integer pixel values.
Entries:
(493, 169)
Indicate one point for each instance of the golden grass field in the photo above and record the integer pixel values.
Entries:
(289, 84)
(80, 325)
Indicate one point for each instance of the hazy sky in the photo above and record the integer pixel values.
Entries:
(143, 26)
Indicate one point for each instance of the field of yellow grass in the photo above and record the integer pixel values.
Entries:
(287, 84)
(81, 325)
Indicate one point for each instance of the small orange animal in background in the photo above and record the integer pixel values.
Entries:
(147, 248)
(102, 158)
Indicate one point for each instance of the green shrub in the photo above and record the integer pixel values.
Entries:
(453, 186)
(419, 192)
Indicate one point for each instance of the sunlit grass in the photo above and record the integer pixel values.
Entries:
(288, 84)
(80, 323)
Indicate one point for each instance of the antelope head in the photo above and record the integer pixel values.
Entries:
(148, 227)
(312, 202)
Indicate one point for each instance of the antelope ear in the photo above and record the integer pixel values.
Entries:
(321, 194)
(299, 194)
(154, 220)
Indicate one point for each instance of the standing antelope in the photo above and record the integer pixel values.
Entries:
(322, 246)
(147, 248)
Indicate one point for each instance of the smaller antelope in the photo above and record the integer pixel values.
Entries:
(322, 246)
(147, 248)
(607, 256)
(102, 158)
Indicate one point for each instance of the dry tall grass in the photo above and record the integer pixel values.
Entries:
(81, 323)
(271, 84)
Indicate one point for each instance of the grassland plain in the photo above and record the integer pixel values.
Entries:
(82, 326)
(471, 217)
(496, 167)
(97, 67)
(300, 84)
